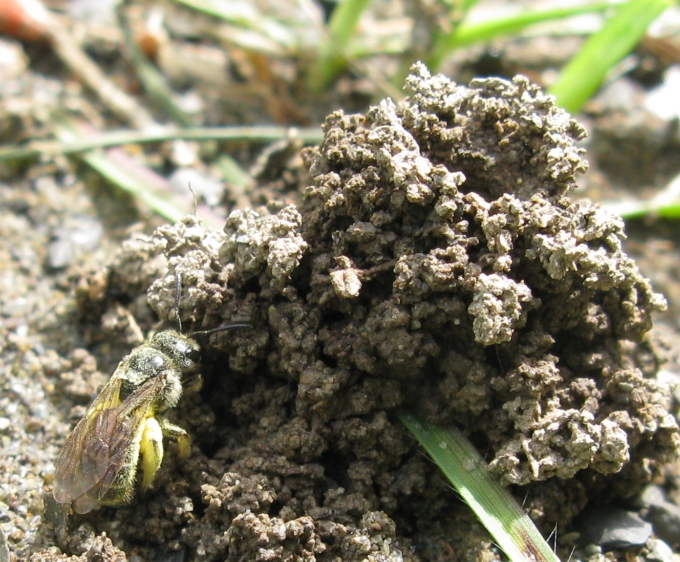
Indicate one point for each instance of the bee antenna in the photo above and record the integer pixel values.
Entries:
(178, 294)
(222, 329)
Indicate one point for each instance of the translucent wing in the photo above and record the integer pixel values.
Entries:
(96, 451)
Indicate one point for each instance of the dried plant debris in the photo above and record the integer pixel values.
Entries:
(437, 265)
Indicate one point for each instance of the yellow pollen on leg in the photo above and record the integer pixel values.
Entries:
(151, 448)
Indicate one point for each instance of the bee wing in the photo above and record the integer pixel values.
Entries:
(95, 452)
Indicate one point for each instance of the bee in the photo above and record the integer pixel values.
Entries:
(100, 461)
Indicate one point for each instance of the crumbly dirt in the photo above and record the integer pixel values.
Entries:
(437, 265)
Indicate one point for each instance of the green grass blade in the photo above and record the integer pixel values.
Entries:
(467, 34)
(584, 74)
(218, 9)
(161, 204)
(151, 190)
(34, 149)
(465, 5)
(157, 198)
(151, 78)
(668, 211)
(665, 204)
(247, 16)
(509, 526)
(332, 52)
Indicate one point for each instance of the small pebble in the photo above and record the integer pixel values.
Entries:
(613, 527)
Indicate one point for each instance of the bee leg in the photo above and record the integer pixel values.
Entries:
(151, 448)
(193, 383)
(175, 432)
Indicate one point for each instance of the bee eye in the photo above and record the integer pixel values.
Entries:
(194, 355)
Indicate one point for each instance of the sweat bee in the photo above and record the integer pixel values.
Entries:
(101, 458)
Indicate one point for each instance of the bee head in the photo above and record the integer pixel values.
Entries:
(183, 349)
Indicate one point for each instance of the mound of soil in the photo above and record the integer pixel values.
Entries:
(437, 266)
